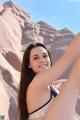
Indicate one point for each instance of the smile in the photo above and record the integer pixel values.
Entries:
(43, 66)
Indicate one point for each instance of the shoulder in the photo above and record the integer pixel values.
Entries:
(38, 83)
(36, 97)
(36, 87)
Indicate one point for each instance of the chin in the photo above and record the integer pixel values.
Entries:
(44, 69)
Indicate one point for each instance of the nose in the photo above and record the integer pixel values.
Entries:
(42, 59)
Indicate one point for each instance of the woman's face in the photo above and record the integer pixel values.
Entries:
(39, 59)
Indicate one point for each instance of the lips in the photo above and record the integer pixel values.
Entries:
(43, 66)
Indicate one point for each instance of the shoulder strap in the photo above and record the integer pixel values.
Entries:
(44, 104)
(54, 90)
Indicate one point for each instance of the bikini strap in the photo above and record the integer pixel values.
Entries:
(44, 104)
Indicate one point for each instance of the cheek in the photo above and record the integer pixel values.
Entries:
(33, 64)
(34, 67)
(49, 61)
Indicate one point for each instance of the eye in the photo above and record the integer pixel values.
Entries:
(45, 56)
(35, 58)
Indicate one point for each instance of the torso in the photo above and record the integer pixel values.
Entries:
(39, 112)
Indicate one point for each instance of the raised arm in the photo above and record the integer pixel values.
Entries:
(66, 100)
(43, 79)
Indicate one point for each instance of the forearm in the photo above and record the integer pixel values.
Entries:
(75, 73)
(71, 55)
(73, 50)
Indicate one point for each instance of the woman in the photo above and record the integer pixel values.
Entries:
(36, 101)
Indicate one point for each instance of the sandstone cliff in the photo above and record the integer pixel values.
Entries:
(17, 31)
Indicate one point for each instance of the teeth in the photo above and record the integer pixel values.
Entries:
(43, 65)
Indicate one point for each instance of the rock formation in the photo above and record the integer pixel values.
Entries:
(17, 31)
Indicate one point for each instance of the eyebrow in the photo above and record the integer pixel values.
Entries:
(37, 54)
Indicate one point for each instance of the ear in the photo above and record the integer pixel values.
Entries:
(29, 66)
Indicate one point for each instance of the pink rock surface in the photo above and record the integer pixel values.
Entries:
(17, 31)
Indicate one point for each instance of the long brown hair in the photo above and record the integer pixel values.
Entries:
(27, 75)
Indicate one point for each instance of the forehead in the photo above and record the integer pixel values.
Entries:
(38, 50)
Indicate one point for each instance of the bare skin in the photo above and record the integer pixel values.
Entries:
(63, 107)
(46, 75)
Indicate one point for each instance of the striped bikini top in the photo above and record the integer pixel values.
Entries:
(40, 112)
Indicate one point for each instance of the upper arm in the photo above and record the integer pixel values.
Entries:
(43, 79)
(46, 77)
